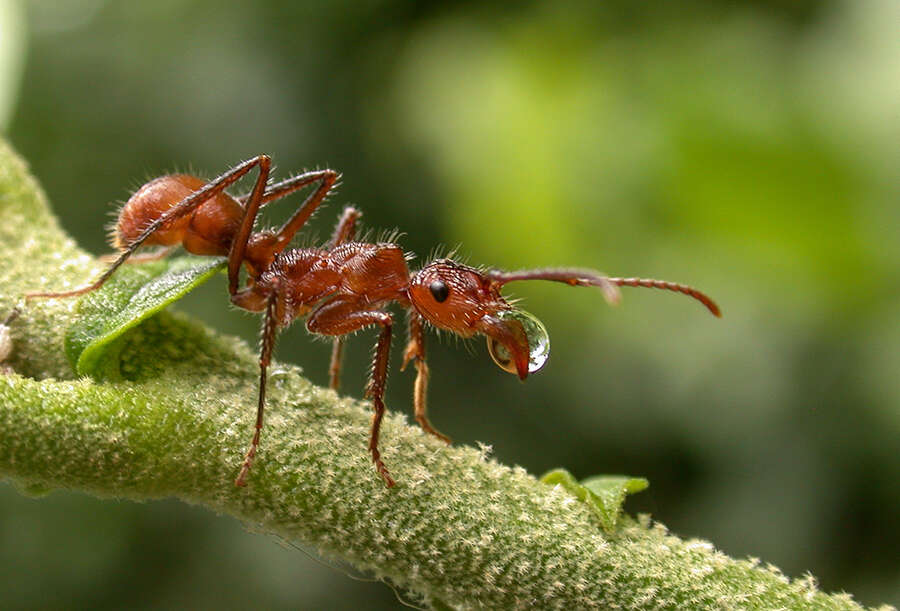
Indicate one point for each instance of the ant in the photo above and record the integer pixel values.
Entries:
(341, 287)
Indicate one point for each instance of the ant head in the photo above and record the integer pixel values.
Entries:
(458, 298)
(466, 301)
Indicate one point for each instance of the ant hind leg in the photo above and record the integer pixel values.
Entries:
(262, 195)
(142, 257)
(185, 206)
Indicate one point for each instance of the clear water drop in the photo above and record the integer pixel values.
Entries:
(535, 333)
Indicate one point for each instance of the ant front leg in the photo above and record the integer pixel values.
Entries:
(269, 330)
(339, 317)
(182, 208)
(345, 231)
(415, 349)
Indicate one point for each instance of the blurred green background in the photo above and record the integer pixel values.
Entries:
(748, 148)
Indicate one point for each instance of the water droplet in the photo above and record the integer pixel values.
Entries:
(535, 333)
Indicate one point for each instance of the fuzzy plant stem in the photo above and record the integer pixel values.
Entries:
(459, 530)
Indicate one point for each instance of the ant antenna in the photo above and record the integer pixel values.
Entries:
(570, 276)
(665, 285)
(609, 286)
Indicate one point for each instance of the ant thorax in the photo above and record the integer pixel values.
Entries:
(301, 278)
(359, 263)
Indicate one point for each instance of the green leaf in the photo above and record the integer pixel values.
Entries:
(608, 492)
(134, 293)
(605, 494)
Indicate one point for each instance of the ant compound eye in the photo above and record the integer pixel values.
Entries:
(535, 333)
(439, 291)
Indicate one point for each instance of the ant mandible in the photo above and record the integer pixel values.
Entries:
(341, 287)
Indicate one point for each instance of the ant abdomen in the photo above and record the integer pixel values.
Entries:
(208, 230)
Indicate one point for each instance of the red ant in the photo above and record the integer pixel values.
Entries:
(341, 287)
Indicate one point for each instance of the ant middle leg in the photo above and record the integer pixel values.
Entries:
(375, 391)
(334, 368)
(345, 231)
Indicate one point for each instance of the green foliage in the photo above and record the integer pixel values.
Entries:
(605, 494)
